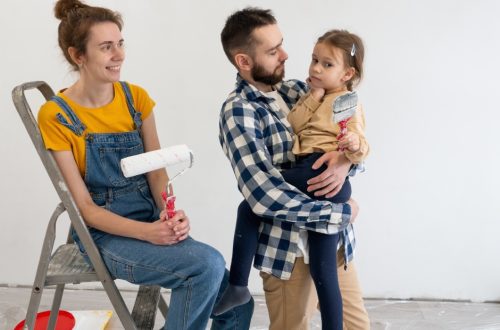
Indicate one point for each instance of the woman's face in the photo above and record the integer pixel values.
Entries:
(105, 53)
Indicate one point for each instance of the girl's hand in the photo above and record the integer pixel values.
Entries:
(350, 141)
(316, 92)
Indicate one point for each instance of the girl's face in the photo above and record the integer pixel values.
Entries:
(104, 54)
(328, 70)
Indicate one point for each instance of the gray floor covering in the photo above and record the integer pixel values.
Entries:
(384, 314)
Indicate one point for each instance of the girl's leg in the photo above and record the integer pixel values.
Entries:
(246, 235)
(192, 270)
(298, 176)
(323, 267)
(245, 242)
(322, 248)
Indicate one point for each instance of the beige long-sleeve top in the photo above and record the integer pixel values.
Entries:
(316, 131)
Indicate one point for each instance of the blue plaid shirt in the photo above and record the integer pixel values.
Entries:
(257, 139)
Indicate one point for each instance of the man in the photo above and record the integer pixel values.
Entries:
(257, 139)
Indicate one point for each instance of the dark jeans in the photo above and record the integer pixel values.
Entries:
(322, 247)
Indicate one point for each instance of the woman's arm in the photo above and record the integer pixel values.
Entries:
(159, 232)
(156, 179)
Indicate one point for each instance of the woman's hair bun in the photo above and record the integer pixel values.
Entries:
(63, 7)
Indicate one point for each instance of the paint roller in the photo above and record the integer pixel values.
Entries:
(162, 158)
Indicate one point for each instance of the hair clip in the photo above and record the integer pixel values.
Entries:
(353, 50)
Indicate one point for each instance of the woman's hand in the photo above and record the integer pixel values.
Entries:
(168, 232)
(180, 225)
(330, 181)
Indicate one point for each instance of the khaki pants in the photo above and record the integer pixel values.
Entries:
(292, 303)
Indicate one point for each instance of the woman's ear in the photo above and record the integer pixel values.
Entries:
(75, 56)
(243, 62)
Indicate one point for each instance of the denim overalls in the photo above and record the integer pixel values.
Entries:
(192, 270)
(130, 198)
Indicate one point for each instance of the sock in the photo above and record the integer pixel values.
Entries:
(234, 295)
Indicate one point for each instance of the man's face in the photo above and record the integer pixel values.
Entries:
(269, 56)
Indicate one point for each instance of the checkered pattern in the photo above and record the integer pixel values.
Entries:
(257, 139)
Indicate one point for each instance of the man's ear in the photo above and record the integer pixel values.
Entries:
(243, 62)
(75, 56)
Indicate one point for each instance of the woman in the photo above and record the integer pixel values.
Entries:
(89, 127)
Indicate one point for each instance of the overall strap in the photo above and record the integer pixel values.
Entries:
(76, 126)
(136, 116)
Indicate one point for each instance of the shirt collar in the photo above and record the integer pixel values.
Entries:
(251, 92)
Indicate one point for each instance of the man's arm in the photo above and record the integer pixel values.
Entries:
(260, 181)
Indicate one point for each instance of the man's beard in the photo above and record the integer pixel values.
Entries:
(259, 74)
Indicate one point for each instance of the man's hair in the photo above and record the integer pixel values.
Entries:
(237, 34)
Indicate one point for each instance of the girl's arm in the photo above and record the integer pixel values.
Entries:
(356, 126)
(301, 113)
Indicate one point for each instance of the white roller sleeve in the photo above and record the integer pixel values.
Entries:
(153, 160)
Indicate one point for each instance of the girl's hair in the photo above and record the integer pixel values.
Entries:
(352, 49)
(76, 20)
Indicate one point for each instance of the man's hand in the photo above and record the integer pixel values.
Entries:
(330, 181)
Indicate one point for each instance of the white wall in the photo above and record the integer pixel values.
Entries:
(429, 223)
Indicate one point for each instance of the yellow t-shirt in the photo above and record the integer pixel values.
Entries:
(111, 118)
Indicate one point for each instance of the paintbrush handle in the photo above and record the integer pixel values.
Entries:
(343, 130)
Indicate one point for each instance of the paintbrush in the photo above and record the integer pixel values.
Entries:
(344, 108)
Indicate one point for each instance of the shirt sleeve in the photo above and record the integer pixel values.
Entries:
(55, 135)
(142, 101)
(301, 113)
(357, 125)
(261, 183)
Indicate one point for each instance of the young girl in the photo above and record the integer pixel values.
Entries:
(336, 67)
(89, 127)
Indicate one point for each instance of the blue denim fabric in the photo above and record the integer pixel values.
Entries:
(193, 270)
(237, 318)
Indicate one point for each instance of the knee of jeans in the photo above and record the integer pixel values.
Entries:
(214, 266)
